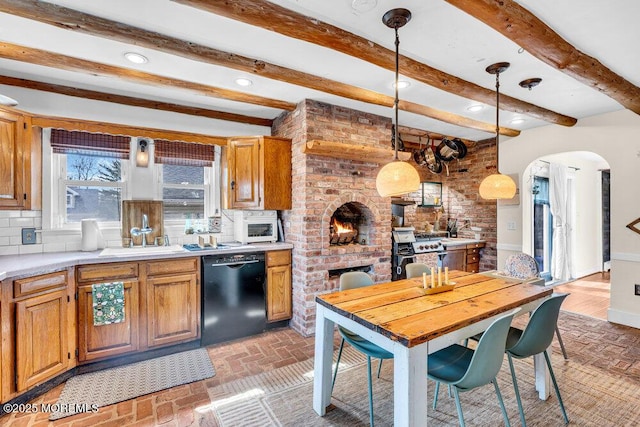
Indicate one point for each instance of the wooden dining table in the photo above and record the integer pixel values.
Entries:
(399, 317)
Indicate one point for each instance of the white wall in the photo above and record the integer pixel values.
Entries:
(616, 138)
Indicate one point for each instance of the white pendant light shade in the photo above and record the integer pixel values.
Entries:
(497, 186)
(397, 178)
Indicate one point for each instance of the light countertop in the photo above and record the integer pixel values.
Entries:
(17, 266)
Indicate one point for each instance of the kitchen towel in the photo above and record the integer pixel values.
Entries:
(108, 303)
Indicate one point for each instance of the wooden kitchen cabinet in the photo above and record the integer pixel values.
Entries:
(259, 170)
(42, 328)
(172, 301)
(455, 258)
(464, 257)
(20, 159)
(98, 342)
(278, 285)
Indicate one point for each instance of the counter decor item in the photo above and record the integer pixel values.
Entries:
(92, 238)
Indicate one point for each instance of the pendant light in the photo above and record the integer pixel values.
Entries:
(497, 186)
(398, 177)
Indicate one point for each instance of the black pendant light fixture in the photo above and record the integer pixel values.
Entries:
(398, 177)
(497, 186)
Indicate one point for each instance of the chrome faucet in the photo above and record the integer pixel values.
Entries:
(135, 231)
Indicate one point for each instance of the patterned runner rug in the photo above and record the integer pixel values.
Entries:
(114, 385)
(595, 389)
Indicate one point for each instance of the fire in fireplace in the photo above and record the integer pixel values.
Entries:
(349, 224)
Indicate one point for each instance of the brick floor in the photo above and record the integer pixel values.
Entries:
(177, 406)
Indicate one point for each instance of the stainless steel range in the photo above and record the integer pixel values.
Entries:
(407, 243)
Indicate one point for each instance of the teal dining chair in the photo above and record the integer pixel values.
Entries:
(535, 339)
(524, 266)
(353, 280)
(415, 269)
(464, 369)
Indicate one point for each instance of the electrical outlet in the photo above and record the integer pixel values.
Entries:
(28, 236)
(637, 292)
(511, 225)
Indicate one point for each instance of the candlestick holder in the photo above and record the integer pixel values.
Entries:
(438, 289)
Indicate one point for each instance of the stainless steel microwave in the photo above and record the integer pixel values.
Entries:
(255, 226)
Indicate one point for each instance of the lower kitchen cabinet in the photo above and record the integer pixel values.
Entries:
(98, 342)
(41, 338)
(43, 329)
(162, 307)
(173, 302)
(278, 285)
(455, 258)
(463, 257)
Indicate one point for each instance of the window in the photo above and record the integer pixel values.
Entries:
(88, 176)
(186, 180)
(92, 173)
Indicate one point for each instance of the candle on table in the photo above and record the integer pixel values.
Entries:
(424, 280)
(433, 278)
(439, 276)
(446, 275)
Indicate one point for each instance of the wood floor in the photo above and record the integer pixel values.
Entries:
(588, 295)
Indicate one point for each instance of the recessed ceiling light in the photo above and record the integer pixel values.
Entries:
(517, 120)
(136, 58)
(241, 81)
(363, 5)
(402, 84)
(6, 100)
(475, 108)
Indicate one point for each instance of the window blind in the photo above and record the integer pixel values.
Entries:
(183, 153)
(77, 142)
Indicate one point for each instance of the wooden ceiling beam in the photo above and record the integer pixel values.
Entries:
(55, 60)
(73, 20)
(272, 17)
(529, 32)
(135, 102)
(126, 130)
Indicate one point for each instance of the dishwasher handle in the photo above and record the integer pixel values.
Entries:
(235, 263)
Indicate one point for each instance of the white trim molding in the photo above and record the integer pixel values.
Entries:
(625, 256)
(509, 247)
(623, 318)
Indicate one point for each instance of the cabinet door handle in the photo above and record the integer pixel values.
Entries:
(233, 185)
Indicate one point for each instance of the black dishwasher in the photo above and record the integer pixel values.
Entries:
(233, 296)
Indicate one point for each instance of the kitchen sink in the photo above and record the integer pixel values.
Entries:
(139, 250)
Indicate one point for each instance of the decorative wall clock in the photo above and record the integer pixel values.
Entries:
(632, 226)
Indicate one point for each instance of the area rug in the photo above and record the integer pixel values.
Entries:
(102, 388)
(593, 395)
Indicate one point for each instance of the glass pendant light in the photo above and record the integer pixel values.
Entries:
(398, 177)
(497, 186)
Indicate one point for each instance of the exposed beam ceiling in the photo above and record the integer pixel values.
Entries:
(537, 38)
(270, 16)
(73, 20)
(50, 59)
(136, 102)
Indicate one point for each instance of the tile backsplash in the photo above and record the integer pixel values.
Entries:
(12, 223)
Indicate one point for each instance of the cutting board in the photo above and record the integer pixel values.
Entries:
(132, 211)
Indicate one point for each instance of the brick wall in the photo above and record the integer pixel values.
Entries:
(322, 184)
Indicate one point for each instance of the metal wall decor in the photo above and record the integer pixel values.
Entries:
(632, 226)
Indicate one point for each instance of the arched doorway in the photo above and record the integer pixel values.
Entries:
(587, 235)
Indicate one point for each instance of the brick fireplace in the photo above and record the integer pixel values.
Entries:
(324, 185)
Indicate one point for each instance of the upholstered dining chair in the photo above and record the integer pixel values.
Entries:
(352, 280)
(415, 269)
(535, 339)
(464, 369)
(523, 266)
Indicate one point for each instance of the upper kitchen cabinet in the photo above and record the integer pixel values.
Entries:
(19, 162)
(259, 173)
